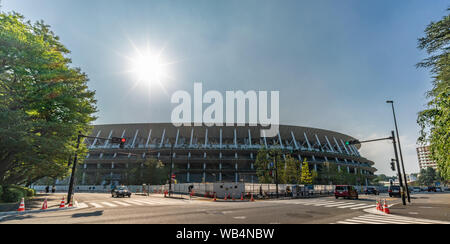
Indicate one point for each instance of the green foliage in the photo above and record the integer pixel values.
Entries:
(268, 162)
(427, 177)
(43, 102)
(306, 175)
(150, 172)
(15, 193)
(435, 120)
(1, 193)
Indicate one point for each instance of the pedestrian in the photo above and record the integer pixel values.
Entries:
(47, 189)
(53, 189)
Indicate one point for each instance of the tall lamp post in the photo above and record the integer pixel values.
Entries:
(400, 151)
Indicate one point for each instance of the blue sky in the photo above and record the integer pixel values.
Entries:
(335, 63)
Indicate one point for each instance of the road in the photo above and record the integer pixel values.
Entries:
(97, 208)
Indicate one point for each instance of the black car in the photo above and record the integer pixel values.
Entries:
(121, 191)
(431, 189)
(394, 191)
(372, 190)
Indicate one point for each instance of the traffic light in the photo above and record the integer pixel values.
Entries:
(393, 164)
(118, 140)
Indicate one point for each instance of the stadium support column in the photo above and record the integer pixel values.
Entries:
(188, 168)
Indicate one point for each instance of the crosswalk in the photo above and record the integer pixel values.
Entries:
(131, 203)
(387, 219)
(327, 204)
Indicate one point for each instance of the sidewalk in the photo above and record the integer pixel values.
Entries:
(35, 203)
(427, 206)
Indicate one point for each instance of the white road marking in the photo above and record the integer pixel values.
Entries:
(240, 217)
(82, 205)
(134, 202)
(121, 203)
(389, 219)
(353, 205)
(96, 205)
(368, 206)
(109, 204)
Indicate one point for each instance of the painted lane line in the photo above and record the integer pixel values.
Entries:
(368, 206)
(82, 205)
(338, 205)
(393, 221)
(134, 202)
(396, 217)
(96, 205)
(346, 223)
(109, 204)
(240, 217)
(364, 221)
(121, 203)
(354, 205)
(146, 202)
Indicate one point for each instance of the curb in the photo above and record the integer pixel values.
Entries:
(14, 213)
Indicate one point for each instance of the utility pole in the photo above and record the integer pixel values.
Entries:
(400, 151)
(398, 170)
(74, 166)
(170, 174)
(115, 140)
(353, 142)
(276, 173)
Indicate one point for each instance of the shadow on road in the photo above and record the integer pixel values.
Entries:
(93, 214)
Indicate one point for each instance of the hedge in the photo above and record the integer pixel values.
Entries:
(15, 193)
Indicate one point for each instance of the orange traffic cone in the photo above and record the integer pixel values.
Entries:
(63, 204)
(232, 197)
(386, 208)
(44, 206)
(252, 199)
(71, 202)
(21, 206)
(226, 197)
(378, 205)
(242, 196)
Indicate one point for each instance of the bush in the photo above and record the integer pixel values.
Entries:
(1, 193)
(12, 194)
(16, 193)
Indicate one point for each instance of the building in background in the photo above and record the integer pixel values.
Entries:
(424, 156)
(213, 154)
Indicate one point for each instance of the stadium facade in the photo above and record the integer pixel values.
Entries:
(213, 154)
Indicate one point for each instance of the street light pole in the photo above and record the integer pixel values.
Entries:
(400, 150)
(400, 179)
(276, 173)
(171, 164)
(74, 167)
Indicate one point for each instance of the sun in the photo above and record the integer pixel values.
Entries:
(149, 67)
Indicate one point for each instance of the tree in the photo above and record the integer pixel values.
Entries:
(427, 176)
(44, 102)
(290, 171)
(151, 172)
(307, 177)
(435, 120)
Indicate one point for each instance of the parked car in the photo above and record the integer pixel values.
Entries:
(394, 191)
(346, 191)
(416, 189)
(121, 191)
(431, 189)
(372, 190)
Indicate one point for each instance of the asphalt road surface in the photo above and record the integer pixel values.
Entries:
(94, 208)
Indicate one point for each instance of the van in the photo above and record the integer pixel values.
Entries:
(346, 191)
